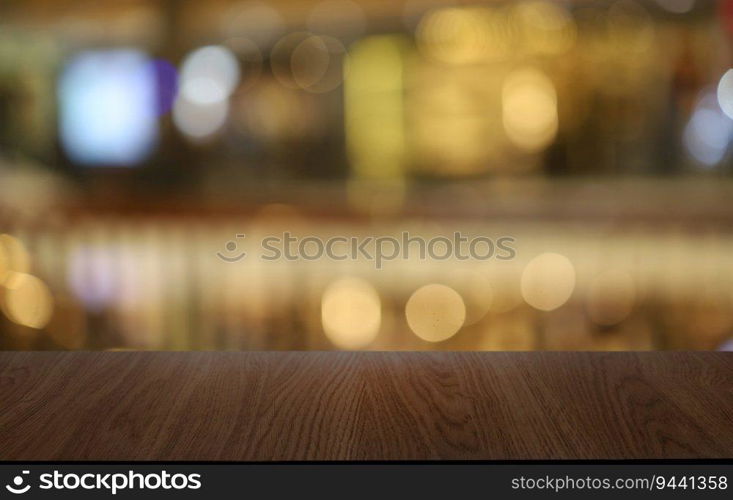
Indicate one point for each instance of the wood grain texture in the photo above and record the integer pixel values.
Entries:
(353, 406)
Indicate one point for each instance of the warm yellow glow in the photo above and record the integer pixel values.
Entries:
(611, 297)
(504, 277)
(4, 262)
(529, 109)
(462, 35)
(27, 300)
(509, 333)
(545, 27)
(435, 312)
(506, 298)
(548, 281)
(454, 119)
(351, 313)
(373, 107)
(13, 257)
(478, 296)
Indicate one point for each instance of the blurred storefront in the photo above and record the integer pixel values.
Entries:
(144, 146)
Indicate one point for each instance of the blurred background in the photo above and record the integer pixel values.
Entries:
(138, 138)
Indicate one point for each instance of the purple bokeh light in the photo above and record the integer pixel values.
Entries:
(166, 77)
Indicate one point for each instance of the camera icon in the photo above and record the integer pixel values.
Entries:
(231, 254)
(17, 487)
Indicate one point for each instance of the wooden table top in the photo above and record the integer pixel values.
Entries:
(353, 406)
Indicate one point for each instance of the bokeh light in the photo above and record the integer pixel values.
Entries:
(305, 61)
(351, 313)
(529, 109)
(166, 79)
(435, 312)
(108, 108)
(281, 58)
(477, 293)
(463, 35)
(14, 257)
(725, 93)
(548, 281)
(200, 121)
(546, 28)
(708, 134)
(209, 75)
(27, 300)
(374, 107)
(94, 276)
(600, 130)
(316, 64)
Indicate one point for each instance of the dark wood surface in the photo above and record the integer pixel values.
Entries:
(334, 406)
